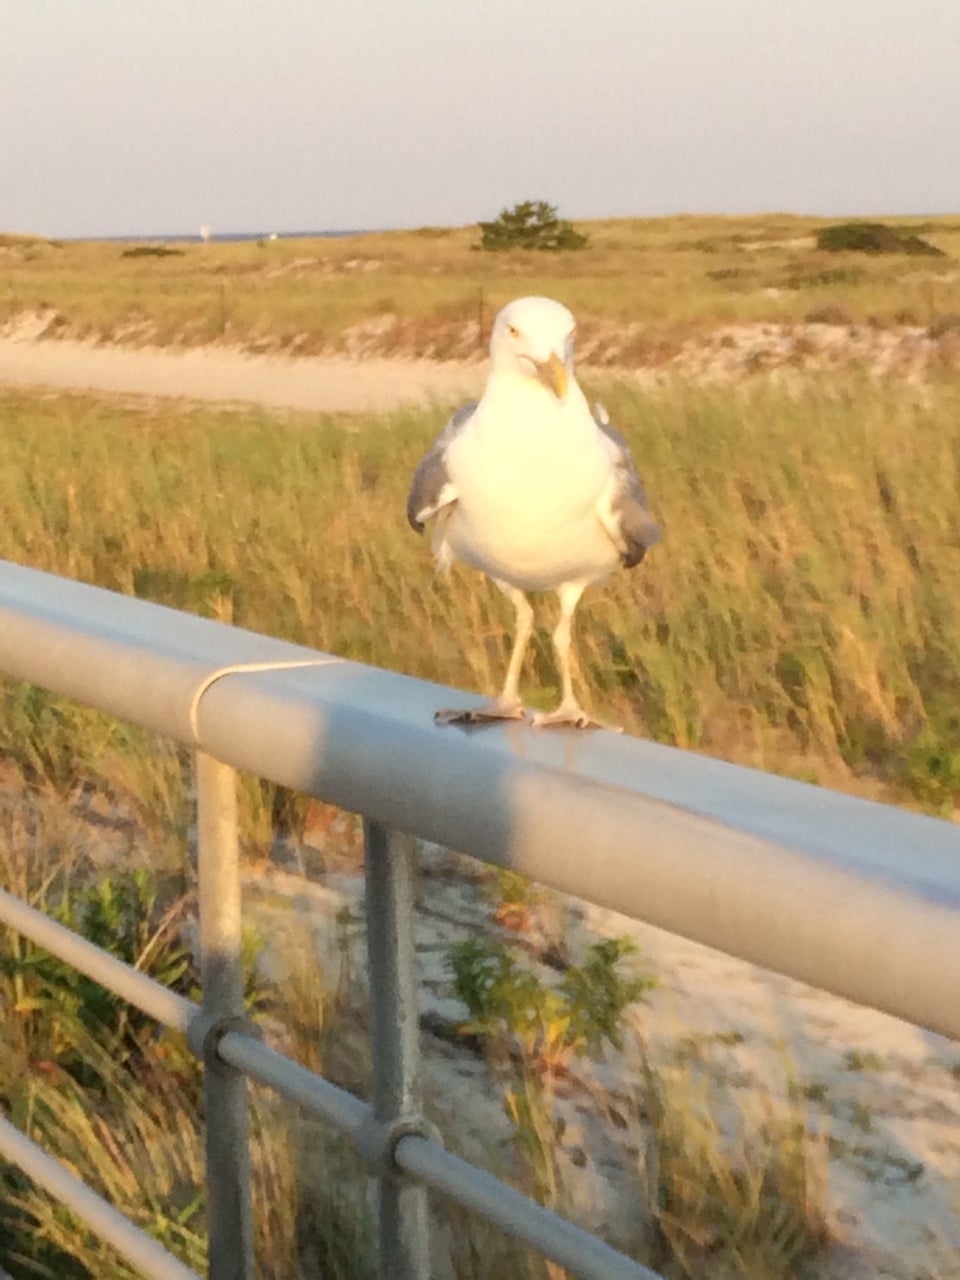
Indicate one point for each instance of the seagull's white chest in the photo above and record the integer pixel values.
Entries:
(529, 473)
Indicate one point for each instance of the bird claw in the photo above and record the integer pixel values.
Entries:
(493, 713)
(571, 718)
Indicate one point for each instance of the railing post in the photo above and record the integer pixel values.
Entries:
(402, 1224)
(229, 1216)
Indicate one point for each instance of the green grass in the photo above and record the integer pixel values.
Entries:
(802, 613)
(119, 1100)
(668, 277)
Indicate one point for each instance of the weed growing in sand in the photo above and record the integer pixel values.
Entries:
(532, 1031)
(735, 1186)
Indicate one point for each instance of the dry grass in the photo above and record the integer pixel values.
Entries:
(717, 1199)
(802, 613)
(429, 292)
(119, 1101)
(736, 1186)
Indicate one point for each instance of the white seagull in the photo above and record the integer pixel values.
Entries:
(531, 487)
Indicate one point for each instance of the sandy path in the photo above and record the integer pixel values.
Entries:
(317, 383)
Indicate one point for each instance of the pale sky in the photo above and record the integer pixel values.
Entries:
(152, 116)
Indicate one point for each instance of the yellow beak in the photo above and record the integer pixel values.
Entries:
(553, 374)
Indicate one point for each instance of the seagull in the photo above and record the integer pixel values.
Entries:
(536, 490)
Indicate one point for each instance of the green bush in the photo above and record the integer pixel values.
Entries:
(151, 251)
(547, 1025)
(531, 225)
(531, 1030)
(872, 237)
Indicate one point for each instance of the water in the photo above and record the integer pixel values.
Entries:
(195, 237)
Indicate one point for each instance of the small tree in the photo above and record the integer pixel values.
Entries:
(531, 225)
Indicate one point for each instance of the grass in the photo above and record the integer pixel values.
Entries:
(119, 1100)
(735, 1185)
(801, 615)
(430, 292)
(120, 1103)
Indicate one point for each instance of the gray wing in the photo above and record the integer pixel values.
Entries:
(634, 529)
(431, 489)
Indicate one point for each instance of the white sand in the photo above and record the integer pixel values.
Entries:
(313, 383)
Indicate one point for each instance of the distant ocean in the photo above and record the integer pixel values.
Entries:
(227, 235)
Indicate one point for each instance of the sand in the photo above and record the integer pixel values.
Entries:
(323, 384)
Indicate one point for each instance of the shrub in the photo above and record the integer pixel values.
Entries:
(829, 313)
(872, 237)
(151, 251)
(532, 1030)
(531, 225)
(942, 325)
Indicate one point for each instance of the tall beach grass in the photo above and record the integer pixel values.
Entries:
(802, 613)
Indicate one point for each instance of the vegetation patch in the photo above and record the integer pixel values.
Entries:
(802, 613)
(533, 224)
(873, 237)
(670, 279)
(151, 251)
(829, 313)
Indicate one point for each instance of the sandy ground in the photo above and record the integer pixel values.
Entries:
(315, 383)
(883, 1097)
(370, 380)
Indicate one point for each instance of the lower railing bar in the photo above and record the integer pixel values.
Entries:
(437, 1168)
(558, 1239)
(347, 1114)
(139, 1249)
(129, 984)
(581, 1253)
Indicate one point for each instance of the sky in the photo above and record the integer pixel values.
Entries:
(158, 116)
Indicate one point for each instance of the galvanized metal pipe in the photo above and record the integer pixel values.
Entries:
(428, 1162)
(853, 897)
(129, 984)
(227, 1137)
(259, 1062)
(439, 1169)
(390, 870)
(581, 1253)
(139, 1249)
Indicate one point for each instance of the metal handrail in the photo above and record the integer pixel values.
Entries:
(414, 1153)
(853, 897)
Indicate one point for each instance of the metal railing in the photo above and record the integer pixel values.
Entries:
(856, 898)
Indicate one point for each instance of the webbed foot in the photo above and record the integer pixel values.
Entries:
(571, 716)
(488, 713)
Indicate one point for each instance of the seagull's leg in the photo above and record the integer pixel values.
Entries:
(510, 695)
(569, 713)
(508, 706)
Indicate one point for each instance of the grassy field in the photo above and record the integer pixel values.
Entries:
(802, 613)
(429, 292)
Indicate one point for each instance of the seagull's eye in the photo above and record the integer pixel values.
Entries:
(513, 331)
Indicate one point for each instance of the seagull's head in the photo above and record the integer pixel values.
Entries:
(533, 337)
